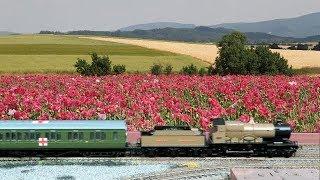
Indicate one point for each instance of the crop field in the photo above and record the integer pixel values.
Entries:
(46, 53)
(208, 53)
(146, 100)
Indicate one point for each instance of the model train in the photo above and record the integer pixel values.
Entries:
(109, 138)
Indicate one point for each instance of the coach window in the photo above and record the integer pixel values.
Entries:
(47, 135)
(38, 135)
(91, 135)
(103, 135)
(80, 135)
(8, 136)
(19, 136)
(98, 135)
(26, 136)
(1, 136)
(32, 135)
(115, 136)
(69, 135)
(53, 135)
(13, 136)
(58, 136)
(75, 136)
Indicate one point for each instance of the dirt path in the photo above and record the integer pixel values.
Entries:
(208, 52)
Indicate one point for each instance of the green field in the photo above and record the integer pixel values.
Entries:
(48, 53)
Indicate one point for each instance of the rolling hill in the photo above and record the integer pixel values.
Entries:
(197, 34)
(299, 27)
(157, 25)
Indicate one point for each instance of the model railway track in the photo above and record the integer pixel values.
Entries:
(207, 168)
(309, 151)
(221, 169)
(306, 151)
(225, 162)
(185, 174)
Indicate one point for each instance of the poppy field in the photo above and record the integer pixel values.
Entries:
(147, 100)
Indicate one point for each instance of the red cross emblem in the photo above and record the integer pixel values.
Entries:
(43, 142)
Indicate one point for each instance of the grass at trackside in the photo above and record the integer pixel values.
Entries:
(57, 54)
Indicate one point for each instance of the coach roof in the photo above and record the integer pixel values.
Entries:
(62, 124)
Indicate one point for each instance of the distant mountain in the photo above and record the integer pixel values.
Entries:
(157, 25)
(299, 27)
(201, 34)
(312, 39)
(197, 34)
(2, 33)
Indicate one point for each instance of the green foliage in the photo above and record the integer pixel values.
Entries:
(271, 63)
(83, 67)
(156, 69)
(302, 47)
(235, 58)
(233, 39)
(212, 70)
(274, 46)
(203, 71)
(190, 70)
(100, 66)
(316, 47)
(119, 69)
(168, 69)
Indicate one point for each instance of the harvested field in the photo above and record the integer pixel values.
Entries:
(204, 52)
(208, 53)
(299, 59)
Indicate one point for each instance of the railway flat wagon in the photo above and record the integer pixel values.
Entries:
(62, 136)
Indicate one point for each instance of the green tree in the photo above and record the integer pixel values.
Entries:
(271, 63)
(83, 67)
(231, 59)
(168, 69)
(100, 66)
(274, 46)
(156, 69)
(302, 47)
(235, 58)
(119, 69)
(190, 70)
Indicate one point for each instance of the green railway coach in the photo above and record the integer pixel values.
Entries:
(62, 135)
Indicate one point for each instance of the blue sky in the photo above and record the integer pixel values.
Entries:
(64, 15)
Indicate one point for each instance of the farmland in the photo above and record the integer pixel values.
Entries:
(55, 54)
(207, 52)
(146, 100)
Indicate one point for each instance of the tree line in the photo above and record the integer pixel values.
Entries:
(235, 58)
(299, 46)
